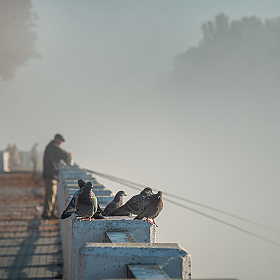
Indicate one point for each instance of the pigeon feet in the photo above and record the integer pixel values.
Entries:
(86, 219)
(152, 222)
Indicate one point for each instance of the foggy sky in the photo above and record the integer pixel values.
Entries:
(110, 80)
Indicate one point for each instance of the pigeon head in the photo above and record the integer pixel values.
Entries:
(88, 189)
(81, 183)
(120, 195)
(89, 185)
(159, 194)
(147, 191)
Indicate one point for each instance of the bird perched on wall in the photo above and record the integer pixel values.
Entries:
(135, 205)
(86, 204)
(153, 209)
(115, 204)
(71, 208)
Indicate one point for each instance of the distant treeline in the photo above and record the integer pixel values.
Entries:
(241, 54)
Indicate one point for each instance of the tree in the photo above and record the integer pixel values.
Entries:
(239, 54)
(17, 43)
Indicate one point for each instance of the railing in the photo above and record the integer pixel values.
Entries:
(114, 247)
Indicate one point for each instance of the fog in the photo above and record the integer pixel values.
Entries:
(182, 96)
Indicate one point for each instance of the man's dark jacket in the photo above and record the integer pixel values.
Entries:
(52, 157)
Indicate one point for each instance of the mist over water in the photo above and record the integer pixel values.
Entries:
(166, 95)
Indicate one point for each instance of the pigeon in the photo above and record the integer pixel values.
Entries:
(135, 205)
(115, 204)
(71, 208)
(154, 208)
(86, 204)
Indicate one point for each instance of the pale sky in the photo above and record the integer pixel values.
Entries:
(95, 83)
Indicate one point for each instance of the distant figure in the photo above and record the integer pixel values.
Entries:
(52, 156)
(34, 158)
(14, 156)
(8, 148)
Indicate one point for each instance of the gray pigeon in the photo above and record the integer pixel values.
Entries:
(115, 204)
(71, 208)
(86, 204)
(135, 205)
(154, 208)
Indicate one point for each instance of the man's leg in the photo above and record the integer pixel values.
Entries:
(34, 168)
(51, 189)
(54, 192)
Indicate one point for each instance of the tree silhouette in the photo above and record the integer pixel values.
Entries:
(239, 54)
(17, 43)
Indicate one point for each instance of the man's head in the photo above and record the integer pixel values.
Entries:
(58, 139)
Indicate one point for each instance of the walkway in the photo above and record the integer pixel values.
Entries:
(30, 247)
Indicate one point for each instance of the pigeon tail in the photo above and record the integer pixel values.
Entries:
(66, 215)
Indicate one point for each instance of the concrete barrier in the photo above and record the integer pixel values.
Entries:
(90, 248)
(103, 261)
(67, 186)
(88, 232)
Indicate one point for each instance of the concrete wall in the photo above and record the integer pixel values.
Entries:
(105, 260)
(87, 252)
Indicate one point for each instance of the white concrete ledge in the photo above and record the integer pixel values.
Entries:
(87, 232)
(88, 252)
(104, 260)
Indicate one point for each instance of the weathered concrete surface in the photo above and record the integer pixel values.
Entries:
(87, 232)
(95, 231)
(114, 258)
(30, 246)
(67, 186)
(119, 237)
(146, 271)
(75, 232)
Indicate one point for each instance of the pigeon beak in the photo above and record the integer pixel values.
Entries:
(124, 194)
